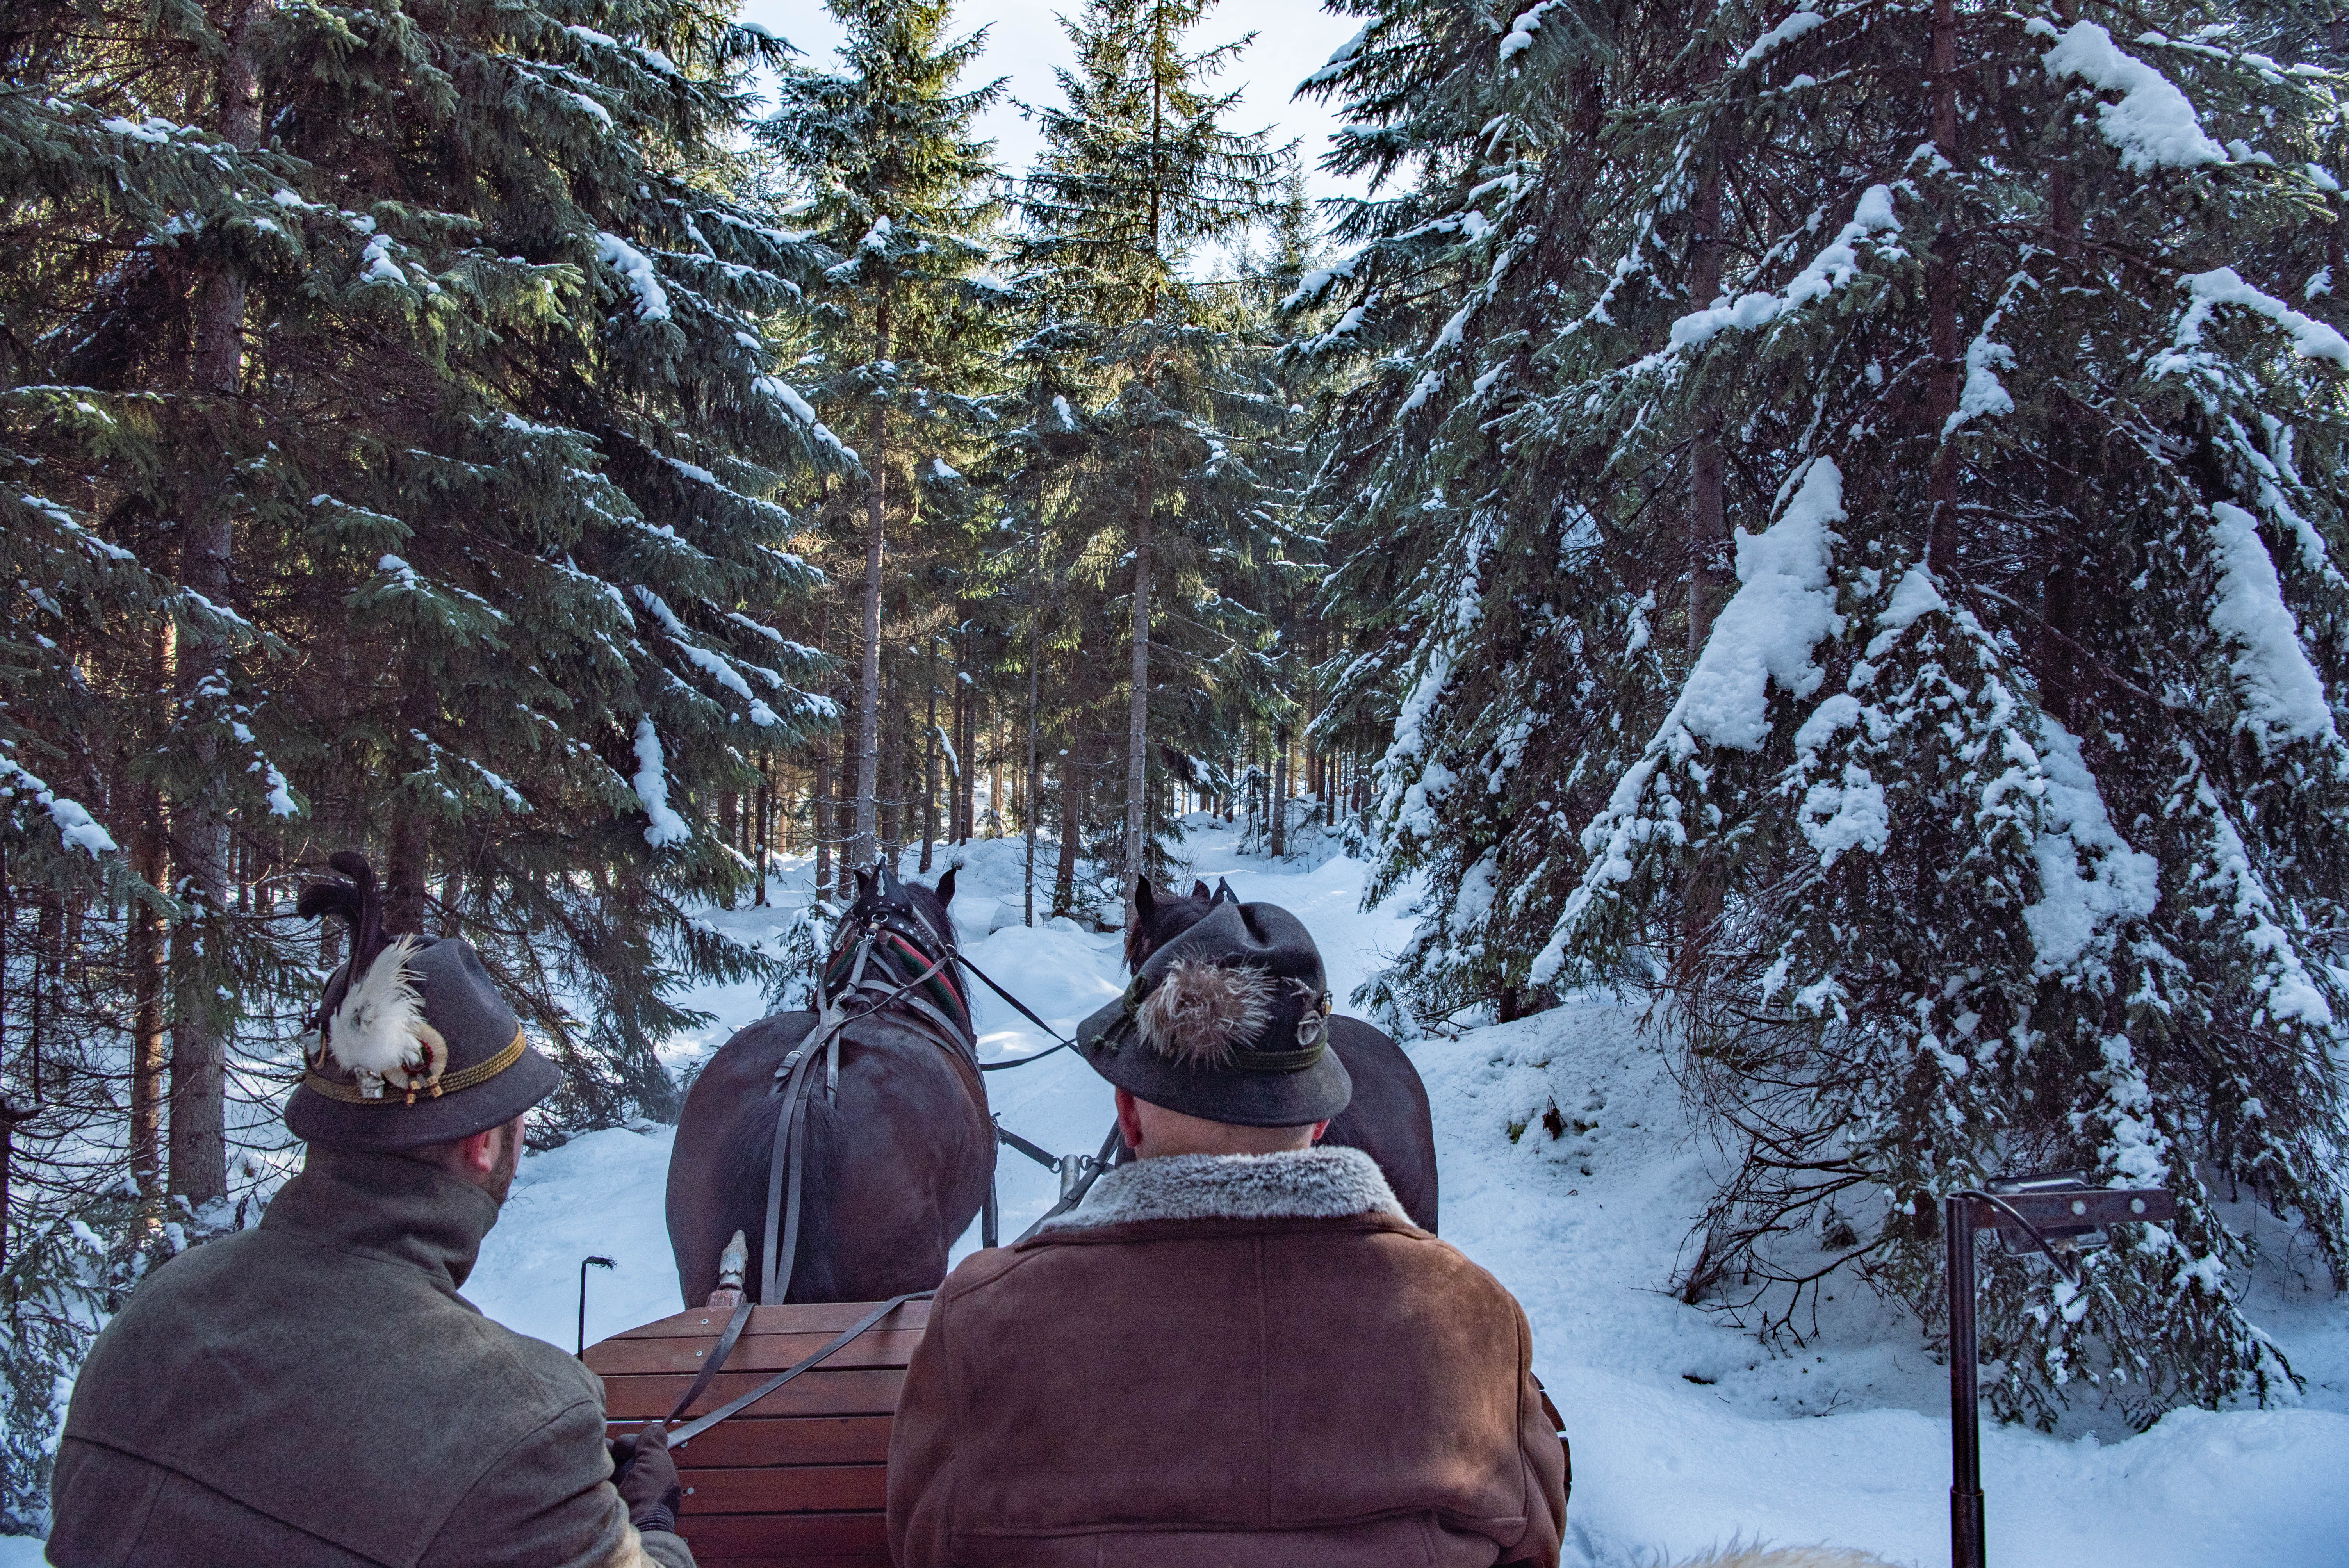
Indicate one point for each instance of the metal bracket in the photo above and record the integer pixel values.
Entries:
(1074, 1168)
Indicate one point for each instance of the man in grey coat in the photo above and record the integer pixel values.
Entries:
(314, 1393)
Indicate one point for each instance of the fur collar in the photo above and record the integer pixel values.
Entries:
(1307, 1184)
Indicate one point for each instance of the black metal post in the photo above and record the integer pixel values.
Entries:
(1965, 1423)
(601, 1264)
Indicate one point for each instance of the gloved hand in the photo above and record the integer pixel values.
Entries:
(647, 1477)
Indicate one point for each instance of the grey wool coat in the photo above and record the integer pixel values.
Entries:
(314, 1393)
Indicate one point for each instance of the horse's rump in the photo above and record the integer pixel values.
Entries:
(892, 1170)
(1388, 1118)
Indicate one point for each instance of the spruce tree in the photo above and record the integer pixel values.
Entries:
(895, 185)
(1138, 170)
(1976, 819)
(452, 537)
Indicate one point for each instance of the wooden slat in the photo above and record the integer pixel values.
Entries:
(799, 1481)
(786, 1489)
(751, 1352)
(821, 1392)
(806, 1439)
(790, 1536)
(820, 1317)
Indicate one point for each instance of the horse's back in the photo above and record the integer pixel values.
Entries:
(1388, 1118)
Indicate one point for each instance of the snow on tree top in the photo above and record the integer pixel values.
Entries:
(1829, 270)
(637, 268)
(1784, 609)
(2154, 123)
(2283, 696)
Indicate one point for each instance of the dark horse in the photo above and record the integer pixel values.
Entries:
(897, 1161)
(1387, 1118)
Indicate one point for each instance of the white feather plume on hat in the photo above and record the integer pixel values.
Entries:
(1202, 1012)
(379, 1028)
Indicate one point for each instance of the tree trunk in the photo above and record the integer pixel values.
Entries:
(965, 745)
(861, 847)
(893, 816)
(200, 820)
(48, 970)
(144, 951)
(764, 798)
(1708, 530)
(1278, 841)
(1028, 816)
(1941, 287)
(1137, 718)
(996, 816)
(929, 748)
(819, 817)
(1073, 811)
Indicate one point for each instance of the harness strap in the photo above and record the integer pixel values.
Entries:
(781, 1234)
(922, 1015)
(735, 1405)
(733, 1331)
(1025, 1013)
(1073, 1192)
(1040, 1155)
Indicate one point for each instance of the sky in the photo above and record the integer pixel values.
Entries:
(1024, 42)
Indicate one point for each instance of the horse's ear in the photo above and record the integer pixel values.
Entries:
(890, 886)
(864, 885)
(946, 886)
(1199, 890)
(1145, 902)
(1224, 893)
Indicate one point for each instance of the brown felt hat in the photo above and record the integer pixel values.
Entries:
(1230, 1022)
(414, 1045)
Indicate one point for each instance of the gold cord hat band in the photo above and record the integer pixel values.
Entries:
(451, 1083)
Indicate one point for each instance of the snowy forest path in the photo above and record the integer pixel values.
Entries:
(1683, 1425)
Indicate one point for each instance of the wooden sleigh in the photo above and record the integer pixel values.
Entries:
(798, 1480)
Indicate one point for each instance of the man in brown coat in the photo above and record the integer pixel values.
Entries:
(1237, 1351)
(314, 1393)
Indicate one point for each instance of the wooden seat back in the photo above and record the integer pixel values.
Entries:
(800, 1479)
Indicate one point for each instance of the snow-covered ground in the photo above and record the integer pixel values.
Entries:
(1687, 1433)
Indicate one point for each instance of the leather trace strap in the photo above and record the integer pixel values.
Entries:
(736, 1406)
(726, 1338)
(780, 1237)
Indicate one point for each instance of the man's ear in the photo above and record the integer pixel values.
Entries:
(946, 886)
(1145, 902)
(1199, 890)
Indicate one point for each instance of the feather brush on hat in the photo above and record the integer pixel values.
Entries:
(378, 1031)
(1202, 1012)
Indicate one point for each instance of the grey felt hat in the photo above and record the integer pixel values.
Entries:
(1229, 1021)
(414, 1045)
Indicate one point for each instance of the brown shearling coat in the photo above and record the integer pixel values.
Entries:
(1244, 1361)
(314, 1393)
